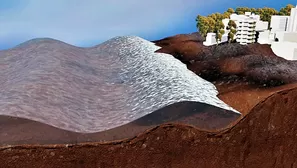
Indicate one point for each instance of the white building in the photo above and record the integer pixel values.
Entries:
(284, 35)
(261, 25)
(292, 27)
(265, 37)
(211, 39)
(279, 23)
(247, 25)
(286, 47)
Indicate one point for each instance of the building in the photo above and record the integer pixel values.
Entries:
(283, 35)
(279, 23)
(265, 37)
(247, 25)
(292, 27)
(286, 47)
(211, 39)
(261, 25)
(246, 32)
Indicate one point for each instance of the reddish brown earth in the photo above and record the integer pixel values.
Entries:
(15, 131)
(249, 78)
(266, 137)
(254, 63)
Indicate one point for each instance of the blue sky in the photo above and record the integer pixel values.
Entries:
(90, 22)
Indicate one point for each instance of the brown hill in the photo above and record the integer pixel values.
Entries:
(266, 137)
(18, 131)
(255, 63)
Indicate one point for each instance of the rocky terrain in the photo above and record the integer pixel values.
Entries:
(254, 63)
(190, 133)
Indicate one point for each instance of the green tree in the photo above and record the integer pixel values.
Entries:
(207, 24)
(286, 11)
(242, 10)
(253, 10)
(267, 13)
(216, 16)
(231, 24)
(211, 24)
(259, 11)
(202, 25)
(230, 10)
(232, 30)
(228, 13)
(219, 30)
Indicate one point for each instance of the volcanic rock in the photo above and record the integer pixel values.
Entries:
(255, 63)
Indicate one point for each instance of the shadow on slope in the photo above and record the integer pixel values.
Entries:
(266, 137)
(19, 131)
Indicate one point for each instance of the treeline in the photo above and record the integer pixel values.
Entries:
(213, 22)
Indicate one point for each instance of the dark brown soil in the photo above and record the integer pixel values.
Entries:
(255, 63)
(266, 137)
(16, 131)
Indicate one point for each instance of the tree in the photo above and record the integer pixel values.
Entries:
(232, 24)
(228, 13)
(216, 16)
(286, 11)
(242, 10)
(206, 24)
(211, 24)
(253, 10)
(202, 25)
(230, 10)
(267, 13)
(219, 30)
(232, 30)
(259, 11)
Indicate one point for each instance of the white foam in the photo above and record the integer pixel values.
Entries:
(99, 88)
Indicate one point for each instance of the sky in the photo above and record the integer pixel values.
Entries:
(86, 23)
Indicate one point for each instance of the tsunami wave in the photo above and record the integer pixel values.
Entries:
(97, 88)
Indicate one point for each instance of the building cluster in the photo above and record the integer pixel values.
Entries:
(281, 34)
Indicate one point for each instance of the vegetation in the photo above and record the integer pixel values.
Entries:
(232, 27)
(219, 30)
(202, 25)
(213, 22)
(286, 10)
